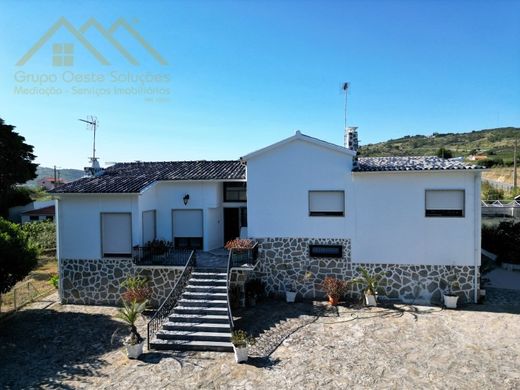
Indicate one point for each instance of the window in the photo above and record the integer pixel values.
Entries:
(116, 234)
(235, 192)
(335, 251)
(63, 54)
(445, 203)
(326, 203)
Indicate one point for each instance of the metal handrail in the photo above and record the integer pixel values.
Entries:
(155, 323)
(242, 256)
(168, 256)
(228, 289)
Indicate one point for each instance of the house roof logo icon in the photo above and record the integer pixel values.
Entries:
(108, 34)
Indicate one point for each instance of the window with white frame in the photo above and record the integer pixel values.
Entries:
(444, 203)
(326, 203)
(116, 234)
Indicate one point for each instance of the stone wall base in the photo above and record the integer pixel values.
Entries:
(422, 284)
(284, 263)
(98, 281)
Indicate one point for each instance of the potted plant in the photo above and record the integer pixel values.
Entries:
(371, 283)
(137, 289)
(334, 288)
(254, 291)
(241, 342)
(290, 291)
(129, 314)
(449, 297)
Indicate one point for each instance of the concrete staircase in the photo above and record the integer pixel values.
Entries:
(199, 321)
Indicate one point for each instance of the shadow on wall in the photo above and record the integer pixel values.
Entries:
(43, 348)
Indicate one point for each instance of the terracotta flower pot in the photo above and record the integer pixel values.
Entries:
(333, 300)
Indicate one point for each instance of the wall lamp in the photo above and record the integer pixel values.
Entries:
(186, 199)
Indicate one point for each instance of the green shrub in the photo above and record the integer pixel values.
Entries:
(42, 234)
(503, 240)
(18, 255)
(54, 281)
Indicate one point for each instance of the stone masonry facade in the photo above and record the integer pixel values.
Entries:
(98, 281)
(284, 263)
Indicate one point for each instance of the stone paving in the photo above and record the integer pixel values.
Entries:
(306, 345)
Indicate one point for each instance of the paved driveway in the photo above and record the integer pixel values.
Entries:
(300, 346)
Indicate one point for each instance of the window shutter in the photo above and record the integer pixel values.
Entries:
(327, 202)
(116, 233)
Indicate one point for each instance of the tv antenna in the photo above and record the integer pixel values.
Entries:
(345, 86)
(92, 124)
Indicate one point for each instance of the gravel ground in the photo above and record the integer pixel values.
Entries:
(300, 346)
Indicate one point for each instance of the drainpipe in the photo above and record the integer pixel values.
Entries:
(477, 229)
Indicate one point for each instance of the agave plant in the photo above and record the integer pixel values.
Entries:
(129, 314)
(371, 282)
(240, 339)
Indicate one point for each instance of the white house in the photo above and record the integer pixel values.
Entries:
(313, 207)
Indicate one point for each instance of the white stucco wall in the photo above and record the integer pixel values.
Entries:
(384, 214)
(79, 215)
(278, 182)
(79, 222)
(391, 226)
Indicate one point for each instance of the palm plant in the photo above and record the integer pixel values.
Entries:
(129, 314)
(372, 282)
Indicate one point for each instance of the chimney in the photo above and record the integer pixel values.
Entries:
(351, 138)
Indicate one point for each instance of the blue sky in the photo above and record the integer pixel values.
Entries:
(242, 75)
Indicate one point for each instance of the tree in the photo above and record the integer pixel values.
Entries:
(18, 256)
(16, 164)
(444, 153)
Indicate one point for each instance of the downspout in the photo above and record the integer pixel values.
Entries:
(58, 242)
(477, 229)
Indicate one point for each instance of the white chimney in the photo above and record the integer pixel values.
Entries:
(351, 138)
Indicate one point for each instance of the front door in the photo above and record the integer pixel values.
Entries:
(231, 223)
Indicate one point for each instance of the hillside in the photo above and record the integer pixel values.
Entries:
(495, 143)
(65, 174)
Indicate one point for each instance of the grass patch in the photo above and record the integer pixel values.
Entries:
(34, 284)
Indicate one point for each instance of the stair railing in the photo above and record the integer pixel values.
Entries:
(155, 324)
(228, 289)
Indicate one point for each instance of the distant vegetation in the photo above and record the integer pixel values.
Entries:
(65, 174)
(503, 240)
(496, 144)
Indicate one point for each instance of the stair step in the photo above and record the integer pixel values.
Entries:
(191, 345)
(202, 303)
(198, 326)
(208, 275)
(193, 335)
(205, 295)
(211, 282)
(199, 318)
(193, 288)
(200, 310)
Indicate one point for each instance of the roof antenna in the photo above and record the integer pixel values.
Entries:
(345, 87)
(95, 168)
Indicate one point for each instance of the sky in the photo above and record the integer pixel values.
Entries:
(219, 79)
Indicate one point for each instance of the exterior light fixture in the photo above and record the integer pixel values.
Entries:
(186, 199)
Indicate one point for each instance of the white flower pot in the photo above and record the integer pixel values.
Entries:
(241, 354)
(370, 300)
(290, 296)
(135, 350)
(450, 301)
